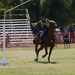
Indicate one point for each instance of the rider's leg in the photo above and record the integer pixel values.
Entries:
(42, 35)
(37, 35)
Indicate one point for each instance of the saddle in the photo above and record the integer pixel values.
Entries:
(41, 41)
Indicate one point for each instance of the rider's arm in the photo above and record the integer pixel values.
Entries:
(47, 20)
(35, 24)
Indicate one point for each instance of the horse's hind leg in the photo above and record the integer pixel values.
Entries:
(46, 52)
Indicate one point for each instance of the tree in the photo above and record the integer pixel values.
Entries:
(59, 10)
(62, 11)
(54, 9)
(73, 11)
(34, 9)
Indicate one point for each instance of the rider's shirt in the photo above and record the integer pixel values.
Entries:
(42, 24)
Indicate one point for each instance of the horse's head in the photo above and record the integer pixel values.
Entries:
(52, 24)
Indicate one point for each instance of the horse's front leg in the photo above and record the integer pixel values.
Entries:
(37, 52)
(36, 46)
(46, 52)
(51, 48)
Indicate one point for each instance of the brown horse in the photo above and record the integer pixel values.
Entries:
(49, 41)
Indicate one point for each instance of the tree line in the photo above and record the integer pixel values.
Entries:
(62, 11)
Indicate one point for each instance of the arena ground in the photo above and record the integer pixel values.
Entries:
(22, 62)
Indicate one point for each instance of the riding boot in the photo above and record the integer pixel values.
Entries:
(41, 38)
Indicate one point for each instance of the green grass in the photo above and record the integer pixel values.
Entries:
(22, 62)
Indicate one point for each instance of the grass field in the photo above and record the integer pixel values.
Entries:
(22, 62)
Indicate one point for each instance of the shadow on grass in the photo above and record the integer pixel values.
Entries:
(44, 62)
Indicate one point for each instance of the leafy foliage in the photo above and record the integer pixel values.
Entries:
(62, 11)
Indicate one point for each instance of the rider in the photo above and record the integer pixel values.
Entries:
(43, 28)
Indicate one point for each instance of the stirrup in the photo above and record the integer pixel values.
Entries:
(41, 42)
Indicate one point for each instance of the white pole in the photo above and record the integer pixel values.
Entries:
(27, 14)
(4, 62)
(4, 49)
(17, 6)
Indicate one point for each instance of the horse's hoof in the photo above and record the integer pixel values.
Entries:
(36, 59)
(43, 56)
(48, 61)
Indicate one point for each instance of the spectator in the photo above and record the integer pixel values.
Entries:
(71, 32)
(7, 40)
(66, 40)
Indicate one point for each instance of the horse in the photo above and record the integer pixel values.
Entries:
(49, 41)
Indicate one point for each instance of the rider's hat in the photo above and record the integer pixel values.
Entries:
(42, 16)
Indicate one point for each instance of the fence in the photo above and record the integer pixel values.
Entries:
(19, 30)
(60, 39)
